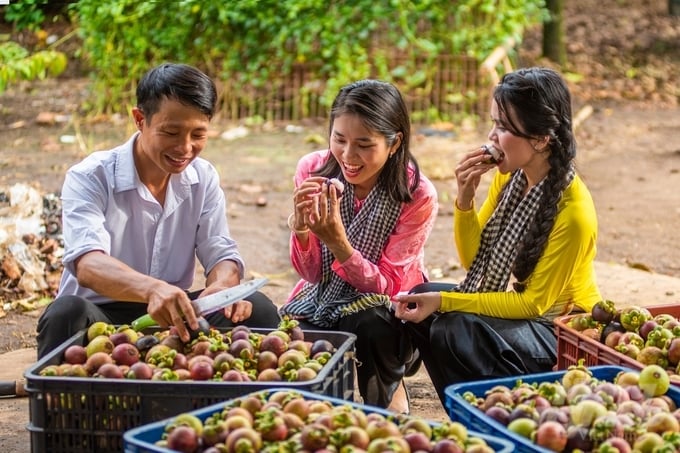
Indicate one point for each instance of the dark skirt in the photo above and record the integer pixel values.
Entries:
(459, 347)
(383, 351)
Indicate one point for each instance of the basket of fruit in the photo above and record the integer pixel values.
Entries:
(281, 420)
(602, 408)
(630, 336)
(84, 395)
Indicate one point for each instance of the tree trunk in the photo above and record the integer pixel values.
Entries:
(674, 7)
(554, 46)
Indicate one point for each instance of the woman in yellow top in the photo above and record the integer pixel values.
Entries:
(529, 250)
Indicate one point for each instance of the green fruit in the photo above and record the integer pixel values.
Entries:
(654, 381)
(524, 427)
(189, 420)
(574, 376)
(99, 328)
(647, 442)
(417, 425)
(132, 335)
(652, 355)
(627, 378)
(100, 343)
(585, 412)
(459, 431)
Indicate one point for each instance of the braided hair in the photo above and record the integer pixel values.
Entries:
(535, 103)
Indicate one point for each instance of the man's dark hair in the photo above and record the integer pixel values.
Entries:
(180, 82)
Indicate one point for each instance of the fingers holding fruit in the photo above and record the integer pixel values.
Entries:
(169, 305)
(304, 194)
(303, 200)
(320, 210)
(334, 187)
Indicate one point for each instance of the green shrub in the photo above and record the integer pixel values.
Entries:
(254, 43)
(26, 14)
(16, 63)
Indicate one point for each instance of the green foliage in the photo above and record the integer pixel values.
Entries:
(255, 43)
(482, 25)
(26, 14)
(17, 64)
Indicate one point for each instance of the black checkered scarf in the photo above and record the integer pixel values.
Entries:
(492, 266)
(324, 303)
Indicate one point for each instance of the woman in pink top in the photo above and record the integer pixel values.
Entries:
(359, 242)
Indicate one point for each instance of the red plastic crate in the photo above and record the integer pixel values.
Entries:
(573, 346)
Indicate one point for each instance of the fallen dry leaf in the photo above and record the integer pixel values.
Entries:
(10, 268)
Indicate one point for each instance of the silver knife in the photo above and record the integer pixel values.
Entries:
(222, 299)
(209, 304)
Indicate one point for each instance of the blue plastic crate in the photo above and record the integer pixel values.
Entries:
(143, 438)
(74, 414)
(462, 411)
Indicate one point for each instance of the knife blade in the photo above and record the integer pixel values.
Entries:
(222, 299)
(209, 304)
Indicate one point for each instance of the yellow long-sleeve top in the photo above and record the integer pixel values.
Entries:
(564, 275)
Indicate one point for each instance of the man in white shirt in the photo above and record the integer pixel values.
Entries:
(136, 217)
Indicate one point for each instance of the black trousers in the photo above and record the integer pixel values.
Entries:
(382, 351)
(459, 347)
(67, 315)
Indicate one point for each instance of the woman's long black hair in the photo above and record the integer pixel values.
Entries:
(382, 109)
(534, 103)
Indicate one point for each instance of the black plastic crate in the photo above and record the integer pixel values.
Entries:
(72, 414)
(143, 438)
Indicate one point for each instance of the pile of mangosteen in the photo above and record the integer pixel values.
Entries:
(633, 331)
(631, 412)
(287, 421)
(238, 354)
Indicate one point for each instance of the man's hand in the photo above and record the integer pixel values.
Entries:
(240, 311)
(166, 304)
(237, 312)
(169, 305)
(225, 275)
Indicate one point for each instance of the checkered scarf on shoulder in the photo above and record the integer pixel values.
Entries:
(492, 266)
(324, 303)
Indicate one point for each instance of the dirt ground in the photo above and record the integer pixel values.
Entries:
(629, 155)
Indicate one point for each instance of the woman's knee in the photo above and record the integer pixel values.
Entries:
(447, 322)
(377, 335)
(450, 330)
(371, 323)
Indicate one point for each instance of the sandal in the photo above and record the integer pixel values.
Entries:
(401, 400)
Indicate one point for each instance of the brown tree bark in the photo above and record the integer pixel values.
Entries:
(554, 46)
(674, 7)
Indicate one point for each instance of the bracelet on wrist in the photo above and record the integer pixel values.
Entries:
(291, 225)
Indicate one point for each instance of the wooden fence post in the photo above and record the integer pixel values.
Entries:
(500, 55)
